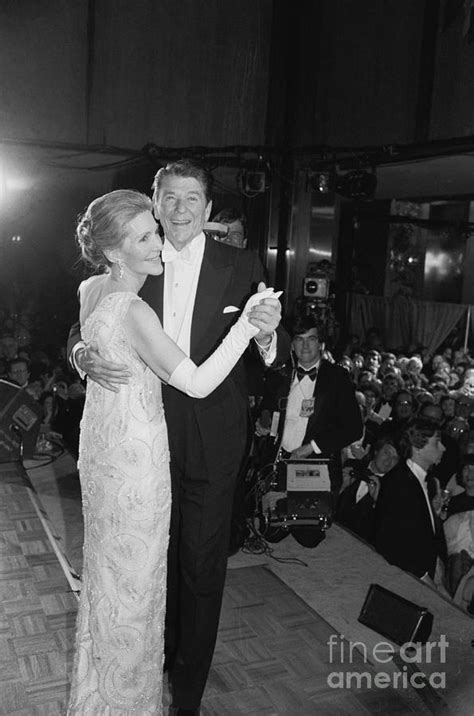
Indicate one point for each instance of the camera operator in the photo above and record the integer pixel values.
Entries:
(309, 409)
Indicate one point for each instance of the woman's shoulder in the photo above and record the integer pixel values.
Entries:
(140, 315)
(91, 284)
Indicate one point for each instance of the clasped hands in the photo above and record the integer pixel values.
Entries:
(265, 316)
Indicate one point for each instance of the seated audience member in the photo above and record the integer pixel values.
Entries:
(438, 390)
(459, 533)
(236, 223)
(391, 384)
(18, 372)
(311, 405)
(413, 376)
(389, 361)
(360, 488)
(372, 362)
(447, 403)
(404, 409)
(406, 519)
(456, 428)
(465, 407)
(358, 364)
(346, 363)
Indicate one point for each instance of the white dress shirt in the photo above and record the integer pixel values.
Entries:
(295, 426)
(420, 475)
(182, 270)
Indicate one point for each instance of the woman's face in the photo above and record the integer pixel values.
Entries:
(140, 252)
(370, 398)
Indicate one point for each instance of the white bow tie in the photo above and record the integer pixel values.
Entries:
(169, 253)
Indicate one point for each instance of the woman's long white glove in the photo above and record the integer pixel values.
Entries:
(200, 381)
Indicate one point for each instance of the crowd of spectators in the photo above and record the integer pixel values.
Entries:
(412, 406)
(44, 373)
(393, 389)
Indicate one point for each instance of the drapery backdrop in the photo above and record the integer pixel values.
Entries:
(404, 322)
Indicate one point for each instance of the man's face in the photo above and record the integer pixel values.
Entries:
(433, 451)
(468, 478)
(389, 388)
(18, 373)
(385, 459)
(404, 406)
(182, 209)
(307, 347)
(236, 235)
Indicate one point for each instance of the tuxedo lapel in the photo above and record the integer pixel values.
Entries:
(214, 278)
(321, 388)
(152, 293)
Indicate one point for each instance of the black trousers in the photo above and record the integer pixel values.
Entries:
(203, 482)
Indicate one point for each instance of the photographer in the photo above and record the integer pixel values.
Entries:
(309, 409)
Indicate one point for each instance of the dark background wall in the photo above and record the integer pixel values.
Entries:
(85, 85)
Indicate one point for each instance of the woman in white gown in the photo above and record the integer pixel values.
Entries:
(123, 461)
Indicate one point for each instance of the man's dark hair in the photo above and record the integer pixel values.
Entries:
(303, 324)
(229, 215)
(416, 435)
(184, 168)
(431, 406)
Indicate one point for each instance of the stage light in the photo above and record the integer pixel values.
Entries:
(254, 182)
(17, 183)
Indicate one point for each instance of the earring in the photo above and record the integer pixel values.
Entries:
(120, 265)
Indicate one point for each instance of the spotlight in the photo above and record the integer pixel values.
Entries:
(254, 182)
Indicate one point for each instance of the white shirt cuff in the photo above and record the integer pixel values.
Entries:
(268, 353)
(72, 358)
(315, 447)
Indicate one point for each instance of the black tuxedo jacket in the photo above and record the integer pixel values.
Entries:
(228, 277)
(336, 420)
(403, 528)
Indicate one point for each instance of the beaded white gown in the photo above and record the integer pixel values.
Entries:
(126, 494)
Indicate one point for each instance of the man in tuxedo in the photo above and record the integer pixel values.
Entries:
(361, 484)
(204, 284)
(309, 408)
(406, 520)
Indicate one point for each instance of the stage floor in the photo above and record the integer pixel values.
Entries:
(281, 613)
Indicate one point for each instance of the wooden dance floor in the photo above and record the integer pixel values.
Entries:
(272, 656)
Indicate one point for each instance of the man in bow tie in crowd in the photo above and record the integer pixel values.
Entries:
(309, 409)
(204, 285)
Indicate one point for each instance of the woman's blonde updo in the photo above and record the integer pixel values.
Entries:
(104, 224)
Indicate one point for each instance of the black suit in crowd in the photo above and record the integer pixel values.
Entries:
(403, 528)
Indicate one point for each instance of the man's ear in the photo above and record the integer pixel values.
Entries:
(208, 210)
